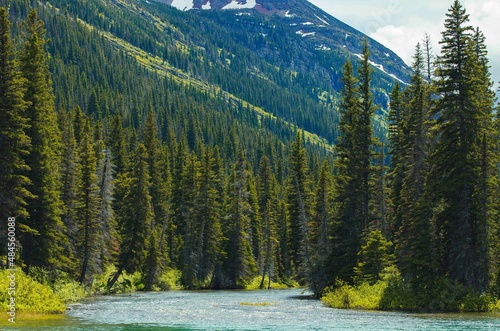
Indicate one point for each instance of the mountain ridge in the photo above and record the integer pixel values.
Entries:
(308, 21)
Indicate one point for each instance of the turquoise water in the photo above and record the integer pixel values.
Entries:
(284, 310)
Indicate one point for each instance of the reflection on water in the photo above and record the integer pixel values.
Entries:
(239, 310)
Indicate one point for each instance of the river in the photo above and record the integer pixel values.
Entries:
(283, 310)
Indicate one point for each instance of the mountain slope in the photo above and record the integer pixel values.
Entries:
(308, 21)
(265, 68)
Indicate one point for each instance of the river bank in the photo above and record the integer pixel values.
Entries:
(287, 310)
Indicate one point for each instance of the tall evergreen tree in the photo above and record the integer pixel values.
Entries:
(321, 227)
(14, 142)
(135, 215)
(298, 201)
(71, 181)
(415, 238)
(45, 245)
(266, 186)
(240, 265)
(159, 196)
(210, 239)
(88, 208)
(397, 132)
(354, 169)
(464, 114)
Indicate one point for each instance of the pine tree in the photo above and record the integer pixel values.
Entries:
(321, 227)
(266, 187)
(210, 238)
(117, 145)
(190, 261)
(45, 245)
(397, 132)
(353, 166)
(375, 256)
(298, 196)
(240, 265)
(159, 200)
(14, 142)
(88, 207)
(107, 220)
(364, 130)
(71, 181)
(415, 238)
(134, 215)
(464, 115)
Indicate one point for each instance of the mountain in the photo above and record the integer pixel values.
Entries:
(264, 68)
(305, 19)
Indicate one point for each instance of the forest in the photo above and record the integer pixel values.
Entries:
(226, 198)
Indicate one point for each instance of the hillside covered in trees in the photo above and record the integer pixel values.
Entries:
(147, 155)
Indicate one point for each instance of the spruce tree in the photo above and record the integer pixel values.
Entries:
(298, 196)
(464, 117)
(415, 238)
(159, 196)
(89, 228)
(71, 181)
(240, 265)
(267, 195)
(134, 215)
(210, 239)
(321, 227)
(397, 150)
(14, 142)
(353, 166)
(45, 245)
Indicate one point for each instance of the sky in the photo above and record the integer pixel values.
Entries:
(401, 24)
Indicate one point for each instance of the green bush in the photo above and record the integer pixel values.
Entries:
(254, 284)
(30, 296)
(126, 283)
(170, 280)
(363, 296)
(69, 291)
(392, 293)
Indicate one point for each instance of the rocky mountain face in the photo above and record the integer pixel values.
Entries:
(318, 28)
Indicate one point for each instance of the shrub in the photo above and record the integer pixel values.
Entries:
(254, 284)
(126, 282)
(69, 291)
(170, 280)
(30, 295)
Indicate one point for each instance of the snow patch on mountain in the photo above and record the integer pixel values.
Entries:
(322, 20)
(182, 4)
(305, 34)
(238, 4)
(381, 68)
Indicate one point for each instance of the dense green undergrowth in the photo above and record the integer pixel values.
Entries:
(392, 293)
(45, 293)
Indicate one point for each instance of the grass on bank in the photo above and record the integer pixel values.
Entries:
(30, 296)
(254, 284)
(41, 293)
(392, 293)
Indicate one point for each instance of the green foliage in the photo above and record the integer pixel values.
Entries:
(69, 291)
(363, 296)
(373, 258)
(125, 283)
(170, 280)
(30, 295)
(392, 293)
(255, 284)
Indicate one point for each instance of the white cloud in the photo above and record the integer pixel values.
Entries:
(400, 24)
